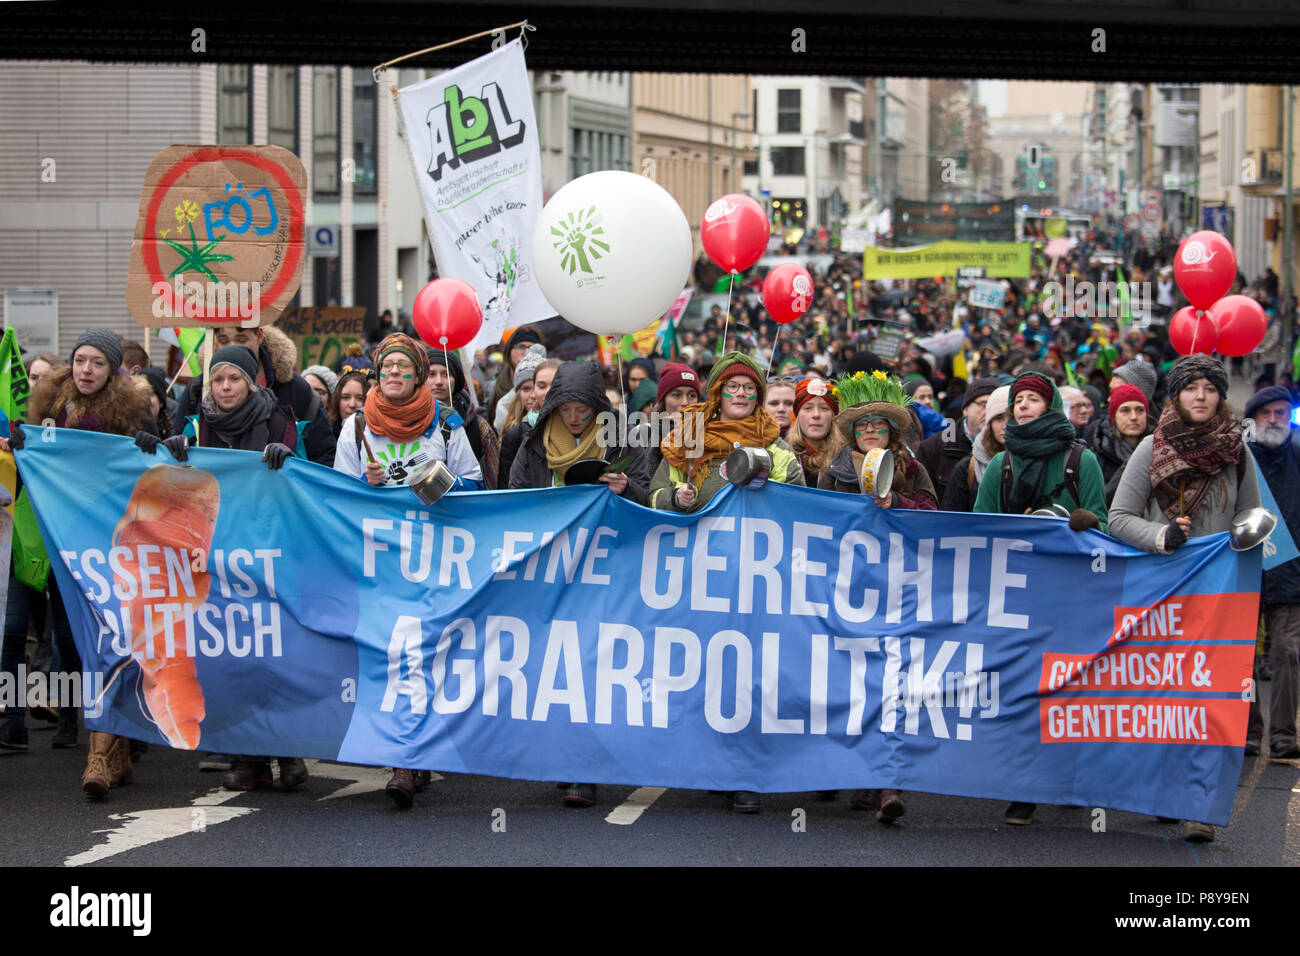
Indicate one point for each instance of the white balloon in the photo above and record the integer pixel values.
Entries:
(612, 251)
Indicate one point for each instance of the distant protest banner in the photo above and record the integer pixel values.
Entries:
(783, 639)
(998, 259)
(219, 237)
(473, 141)
(323, 334)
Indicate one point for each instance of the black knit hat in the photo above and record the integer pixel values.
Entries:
(157, 380)
(106, 341)
(978, 389)
(240, 357)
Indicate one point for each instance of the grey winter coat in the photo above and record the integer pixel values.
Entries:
(1137, 519)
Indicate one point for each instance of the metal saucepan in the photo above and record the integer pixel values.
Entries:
(877, 474)
(748, 467)
(1251, 527)
(1052, 511)
(432, 481)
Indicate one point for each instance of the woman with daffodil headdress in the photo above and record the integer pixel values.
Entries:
(876, 415)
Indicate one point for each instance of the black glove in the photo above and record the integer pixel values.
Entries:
(145, 442)
(275, 454)
(1175, 537)
(177, 445)
(16, 437)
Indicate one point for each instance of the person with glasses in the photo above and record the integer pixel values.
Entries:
(731, 416)
(322, 382)
(400, 428)
(876, 415)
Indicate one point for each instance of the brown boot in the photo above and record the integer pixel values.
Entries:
(97, 778)
(891, 806)
(402, 787)
(120, 772)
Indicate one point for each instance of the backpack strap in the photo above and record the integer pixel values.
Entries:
(1069, 480)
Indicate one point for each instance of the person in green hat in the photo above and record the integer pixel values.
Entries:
(730, 416)
(1047, 467)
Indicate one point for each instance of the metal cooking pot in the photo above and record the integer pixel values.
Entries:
(748, 467)
(1051, 511)
(432, 481)
(877, 474)
(1250, 528)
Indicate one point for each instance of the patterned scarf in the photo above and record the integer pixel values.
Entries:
(720, 438)
(1185, 458)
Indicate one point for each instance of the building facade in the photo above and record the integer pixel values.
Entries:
(811, 134)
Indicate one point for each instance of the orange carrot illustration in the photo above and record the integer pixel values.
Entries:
(170, 507)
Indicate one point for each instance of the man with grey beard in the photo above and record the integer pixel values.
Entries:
(1276, 447)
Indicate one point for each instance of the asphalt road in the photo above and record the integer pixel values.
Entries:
(175, 815)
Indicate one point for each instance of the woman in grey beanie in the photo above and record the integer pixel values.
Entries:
(322, 382)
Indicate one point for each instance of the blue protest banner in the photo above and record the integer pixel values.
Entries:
(783, 639)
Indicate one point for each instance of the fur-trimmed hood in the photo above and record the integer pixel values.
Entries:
(119, 408)
(284, 354)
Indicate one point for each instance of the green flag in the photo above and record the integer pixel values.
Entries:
(1125, 300)
(14, 387)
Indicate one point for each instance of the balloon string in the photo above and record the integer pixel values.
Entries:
(618, 354)
(451, 379)
(775, 342)
(726, 322)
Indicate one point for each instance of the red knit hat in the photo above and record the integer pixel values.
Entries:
(1032, 382)
(1126, 393)
(675, 375)
(814, 388)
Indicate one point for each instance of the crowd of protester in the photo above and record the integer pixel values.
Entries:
(1036, 408)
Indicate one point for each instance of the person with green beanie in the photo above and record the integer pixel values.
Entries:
(1040, 441)
(730, 416)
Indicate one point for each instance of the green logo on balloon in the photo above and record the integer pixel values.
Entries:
(575, 238)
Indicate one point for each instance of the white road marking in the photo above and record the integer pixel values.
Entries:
(358, 779)
(142, 827)
(627, 812)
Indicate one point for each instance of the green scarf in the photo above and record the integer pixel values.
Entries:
(1034, 443)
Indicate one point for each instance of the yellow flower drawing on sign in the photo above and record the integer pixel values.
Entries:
(187, 210)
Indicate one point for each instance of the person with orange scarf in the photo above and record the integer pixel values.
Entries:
(401, 427)
(730, 417)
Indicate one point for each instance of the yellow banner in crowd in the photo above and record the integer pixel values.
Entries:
(1008, 260)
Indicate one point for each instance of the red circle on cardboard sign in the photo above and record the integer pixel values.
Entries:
(207, 154)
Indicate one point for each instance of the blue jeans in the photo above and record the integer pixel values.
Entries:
(18, 610)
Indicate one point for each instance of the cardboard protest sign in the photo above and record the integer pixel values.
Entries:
(324, 334)
(219, 237)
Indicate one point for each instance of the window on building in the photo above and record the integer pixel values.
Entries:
(787, 160)
(787, 111)
(751, 167)
(235, 104)
(365, 133)
(282, 107)
(325, 129)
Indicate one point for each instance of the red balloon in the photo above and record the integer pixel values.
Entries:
(735, 232)
(787, 292)
(1241, 324)
(446, 313)
(1205, 267)
(1191, 331)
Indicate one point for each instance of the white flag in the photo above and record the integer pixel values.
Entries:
(473, 141)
